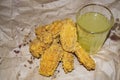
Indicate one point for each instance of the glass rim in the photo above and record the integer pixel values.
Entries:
(97, 12)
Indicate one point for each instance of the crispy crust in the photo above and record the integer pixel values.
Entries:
(68, 36)
(84, 58)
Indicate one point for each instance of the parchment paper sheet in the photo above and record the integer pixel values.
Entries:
(18, 19)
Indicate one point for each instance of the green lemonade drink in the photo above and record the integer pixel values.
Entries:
(92, 30)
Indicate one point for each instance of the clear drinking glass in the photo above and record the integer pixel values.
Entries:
(94, 22)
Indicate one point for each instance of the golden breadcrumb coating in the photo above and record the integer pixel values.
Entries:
(67, 61)
(43, 35)
(39, 31)
(36, 48)
(50, 60)
(54, 28)
(84, 58)
(68, 36)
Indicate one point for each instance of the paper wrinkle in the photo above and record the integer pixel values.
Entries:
(18, 19)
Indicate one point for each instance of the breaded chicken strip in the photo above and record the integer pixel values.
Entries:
(67, 61)
(50, 60)
(36, 48)
(84, 58)
(68, 36)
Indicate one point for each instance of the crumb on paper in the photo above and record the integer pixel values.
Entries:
(30, 67)
(30, 61)
(16, 51)
(20, 46)
(114, 37)
(25, 65)
(117, 19)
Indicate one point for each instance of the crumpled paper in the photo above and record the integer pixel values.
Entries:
(18, 19)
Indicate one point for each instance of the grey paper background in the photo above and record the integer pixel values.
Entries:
(18, 18)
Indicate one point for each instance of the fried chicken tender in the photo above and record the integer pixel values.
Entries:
(43, 35)
(54, 28)
(36, 48)
(68, 36)
(50, 60)
(84, 58)
(67, 61)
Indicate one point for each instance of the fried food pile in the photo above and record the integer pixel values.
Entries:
(57, 42)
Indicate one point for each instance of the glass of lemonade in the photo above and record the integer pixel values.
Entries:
(94, 22)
